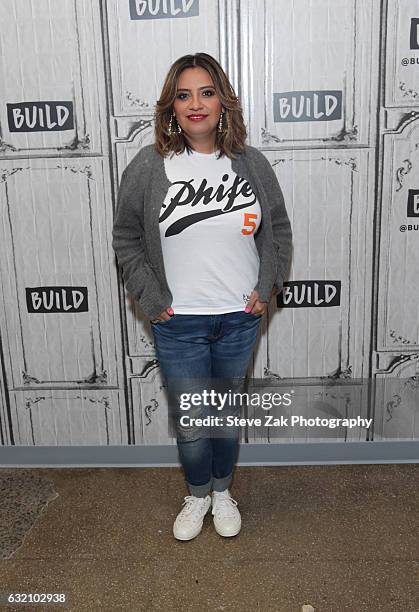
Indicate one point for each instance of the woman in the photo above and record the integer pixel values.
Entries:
(203, 238)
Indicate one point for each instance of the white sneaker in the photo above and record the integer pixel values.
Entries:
(188, 523)
(227, 520)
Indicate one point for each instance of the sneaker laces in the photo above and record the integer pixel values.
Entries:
(225, 505)
(191, 504)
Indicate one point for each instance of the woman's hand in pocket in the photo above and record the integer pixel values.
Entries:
(254, 306)
(165, 315)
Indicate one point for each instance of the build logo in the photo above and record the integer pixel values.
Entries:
(413, 203)
(292, 106)
(414, 33)
(309, 294)
(57, 299)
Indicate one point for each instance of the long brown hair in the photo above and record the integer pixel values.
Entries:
(229, 141)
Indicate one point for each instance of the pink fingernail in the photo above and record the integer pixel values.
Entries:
(171, 311)
(247, 309)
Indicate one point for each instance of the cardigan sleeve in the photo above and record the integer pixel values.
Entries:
(281, 225)
(128, 231)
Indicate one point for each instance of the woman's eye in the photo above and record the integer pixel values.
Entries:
(209, 91)
(180, 95)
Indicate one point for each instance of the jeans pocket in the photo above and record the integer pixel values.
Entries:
(255, 316)
(161, 321)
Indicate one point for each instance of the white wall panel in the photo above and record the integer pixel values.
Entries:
(398, 312)
(62, 417)
(56, 234)
(402, 57)
(396, 399)
(303, 49)
(150, 406)
(141, 50)
(51, 51)
(4, 417)
(311, 399)
(329, 200)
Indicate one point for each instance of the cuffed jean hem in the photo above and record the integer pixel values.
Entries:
(221, 484)
(216, 484)
(200, 490)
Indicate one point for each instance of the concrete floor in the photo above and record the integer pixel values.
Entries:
(341, 538)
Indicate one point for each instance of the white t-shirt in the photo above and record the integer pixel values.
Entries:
(207, 226)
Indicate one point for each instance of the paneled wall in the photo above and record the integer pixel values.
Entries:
(330, 92)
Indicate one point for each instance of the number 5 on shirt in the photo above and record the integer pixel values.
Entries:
(248, 221)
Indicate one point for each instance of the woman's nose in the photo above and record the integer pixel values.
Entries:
(195, 102)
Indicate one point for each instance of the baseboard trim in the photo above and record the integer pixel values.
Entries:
(250, 454)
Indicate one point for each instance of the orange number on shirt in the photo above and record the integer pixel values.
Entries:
(249, 223)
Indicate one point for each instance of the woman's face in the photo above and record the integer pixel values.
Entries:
(197, 106)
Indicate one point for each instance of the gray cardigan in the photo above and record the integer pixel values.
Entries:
(136, 233)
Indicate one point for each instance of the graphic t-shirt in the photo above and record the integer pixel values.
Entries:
(207, 226)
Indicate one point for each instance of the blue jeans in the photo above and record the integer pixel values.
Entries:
(192, 349)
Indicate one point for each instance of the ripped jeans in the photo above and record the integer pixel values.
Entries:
(192, 349)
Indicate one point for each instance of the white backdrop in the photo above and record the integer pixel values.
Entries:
(330, 91)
